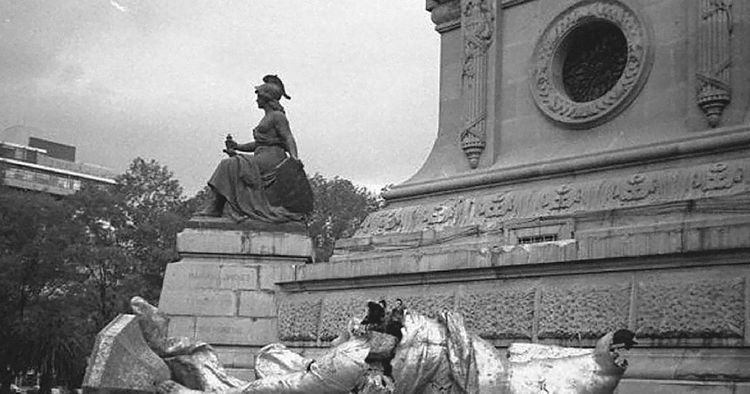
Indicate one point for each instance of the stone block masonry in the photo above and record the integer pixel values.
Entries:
(223, 290)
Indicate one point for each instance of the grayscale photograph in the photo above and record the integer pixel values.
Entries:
(389, 197)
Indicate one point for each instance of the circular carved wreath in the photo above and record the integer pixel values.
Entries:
(590, 63)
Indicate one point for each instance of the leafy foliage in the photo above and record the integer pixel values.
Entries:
(156, 211)
(38, 282)
(69, 266)
(340, 207)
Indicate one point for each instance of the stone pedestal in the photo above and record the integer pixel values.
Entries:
(223, 291)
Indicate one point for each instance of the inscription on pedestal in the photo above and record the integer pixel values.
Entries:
(198, 302)
(236, 331)
(239, 278)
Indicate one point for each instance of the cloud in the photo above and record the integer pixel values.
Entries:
(167, 79)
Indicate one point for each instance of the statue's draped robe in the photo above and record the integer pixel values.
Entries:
(243, 179)
(285, 372)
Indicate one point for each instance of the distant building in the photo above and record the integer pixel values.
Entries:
(32, 163)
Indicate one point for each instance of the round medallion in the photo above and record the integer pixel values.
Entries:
(590, 63)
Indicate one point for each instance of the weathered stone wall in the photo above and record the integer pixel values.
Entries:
(539, 218)
(663, 253)
(678, 301)
(685, 57)
(223, 291)
(690, 311)
(677, 273)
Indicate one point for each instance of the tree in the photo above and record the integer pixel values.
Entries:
(37, 277)
(149, 189)
(68, 266)
(340, 207)
(156, 211)
(101, 257)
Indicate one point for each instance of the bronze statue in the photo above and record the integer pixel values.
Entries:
(270, 185)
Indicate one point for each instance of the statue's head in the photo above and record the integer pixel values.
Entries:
(268, 92)
(272, 88)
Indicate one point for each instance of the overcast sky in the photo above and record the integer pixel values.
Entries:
(168, 79)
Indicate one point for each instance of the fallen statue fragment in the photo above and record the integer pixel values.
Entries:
(399, 352)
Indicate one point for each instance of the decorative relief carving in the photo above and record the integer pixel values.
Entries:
(499, 314)
(298, 320)
(717, 177)
(714, 58)
(496, 206)
(546, 83)
(491, 210)
(592, 67)
(429, 305)
(337, 310)
(583, 311)
(636, 188)
(477, 26)
(442, 213)
(698, 309)
(383, 222)
(562, 198)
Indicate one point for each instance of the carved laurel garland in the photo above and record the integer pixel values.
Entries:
(546, 85)
(477, 25)
(714, 58)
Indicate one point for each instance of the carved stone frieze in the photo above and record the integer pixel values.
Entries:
(714, 58)
(696, 309)
(379, 224)
(718, 176)
(636, 188)
(442, 213)
(562, 198)
(497, 206)
(478, 28)
(298, 320)
(546, 83)
(583, 311)
(499, 314)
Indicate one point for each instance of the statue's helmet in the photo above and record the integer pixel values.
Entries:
(272, 87)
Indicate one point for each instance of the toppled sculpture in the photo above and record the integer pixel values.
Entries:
(432, 356)
(270, 185)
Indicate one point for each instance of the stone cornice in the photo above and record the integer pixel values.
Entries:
(412, 269)
(445, 14)
(726, 139)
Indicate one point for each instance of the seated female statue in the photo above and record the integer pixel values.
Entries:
(269, 185)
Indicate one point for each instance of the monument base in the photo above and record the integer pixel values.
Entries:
(223, 291)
